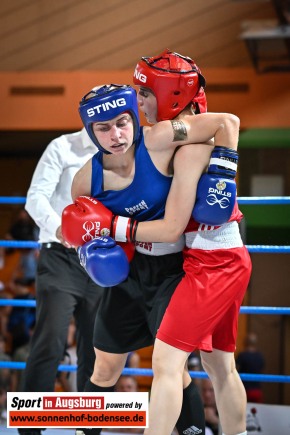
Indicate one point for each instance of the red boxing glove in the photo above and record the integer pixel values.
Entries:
(129, 249)
(84, 220)
(87, 218)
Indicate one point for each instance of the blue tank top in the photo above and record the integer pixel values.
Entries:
(144, 199)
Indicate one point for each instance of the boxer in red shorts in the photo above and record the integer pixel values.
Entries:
(204, 309)
(194, 318)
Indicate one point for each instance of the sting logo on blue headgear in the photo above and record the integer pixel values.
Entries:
(106, 103)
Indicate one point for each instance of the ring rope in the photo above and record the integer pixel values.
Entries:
(149, 372)
(267, 249)
(268, 200)
(263, 200)
(243, 309)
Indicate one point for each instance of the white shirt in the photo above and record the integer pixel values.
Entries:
(50, 189)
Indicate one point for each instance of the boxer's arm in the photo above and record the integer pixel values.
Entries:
(81, 185)
(188, 129)
(189, 164)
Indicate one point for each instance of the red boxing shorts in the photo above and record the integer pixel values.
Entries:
(204, 309)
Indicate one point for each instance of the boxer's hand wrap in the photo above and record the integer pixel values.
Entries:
(124, 229)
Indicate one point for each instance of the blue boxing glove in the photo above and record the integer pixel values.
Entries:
(106, 262)
(216, 190)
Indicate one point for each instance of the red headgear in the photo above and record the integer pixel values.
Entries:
(175, 80)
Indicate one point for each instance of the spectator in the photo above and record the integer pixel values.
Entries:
(4, 310)
(4, 387)
(2, 257)
(251, 360)
(20, 355)
(5, 373)
(194, 362)
(21, 319)
(127, 384)
(194, 365)
(210, 408)
(133, 360)
(5, 382)
(24, 229)
(62, 383)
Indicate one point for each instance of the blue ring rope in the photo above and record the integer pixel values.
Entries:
(267, 249)
(148, 372)
(20, 244)
(12, 199)
(243, 310)
(268, 200)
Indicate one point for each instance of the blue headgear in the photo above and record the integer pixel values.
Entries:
(104, 104)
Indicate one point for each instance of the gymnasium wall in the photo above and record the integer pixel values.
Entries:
(49, 100)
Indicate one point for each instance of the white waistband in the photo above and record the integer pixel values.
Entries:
(160, 248)
(226, 237)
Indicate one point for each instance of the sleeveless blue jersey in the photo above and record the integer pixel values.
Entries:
(144, 199)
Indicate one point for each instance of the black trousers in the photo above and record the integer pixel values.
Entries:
(63, 290)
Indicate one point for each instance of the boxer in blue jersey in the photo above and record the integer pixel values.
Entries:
(131, 312)
(203, 311)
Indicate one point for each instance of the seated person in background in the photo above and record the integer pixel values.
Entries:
(5, 310)
(126, 384)
(194, 362)
(210, 408)
(194, 365)
(62, 383)
(4, 387)
(133, 360)
(24, 229)
(20, 355)
(21, 319)
(251, 360)
(5, 374)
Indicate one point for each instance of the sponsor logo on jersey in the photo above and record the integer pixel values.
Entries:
(104, 107)
(138, 207)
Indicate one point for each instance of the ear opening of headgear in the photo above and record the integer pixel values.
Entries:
(175, 80)
(105, 103)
